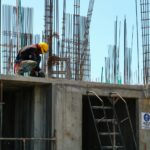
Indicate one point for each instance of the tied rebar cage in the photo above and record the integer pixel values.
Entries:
(70, 52)
(144, 6)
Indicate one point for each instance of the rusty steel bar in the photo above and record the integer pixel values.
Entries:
(85, 49)
(26, 139)
(137, 36)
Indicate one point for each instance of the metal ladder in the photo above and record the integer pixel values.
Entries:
(115, 98)
(106, 124)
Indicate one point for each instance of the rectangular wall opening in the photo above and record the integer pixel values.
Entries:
(17, 117)
(26, 118)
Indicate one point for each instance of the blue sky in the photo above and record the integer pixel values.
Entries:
(102, 26)
(102, 30)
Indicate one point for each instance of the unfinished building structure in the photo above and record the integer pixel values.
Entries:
(61, 114)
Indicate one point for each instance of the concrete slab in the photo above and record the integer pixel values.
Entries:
(13, 79)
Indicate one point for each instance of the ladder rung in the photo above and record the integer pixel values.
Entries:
(111, 147)
(105, 120)
(124, 120)
(99, 120)
(109, 133)
(101, 107)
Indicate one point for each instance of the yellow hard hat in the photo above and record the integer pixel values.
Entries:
(44, 47)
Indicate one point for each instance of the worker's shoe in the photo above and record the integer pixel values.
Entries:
(33, 73)
(20, 72)
(41, 74)
(37, 74)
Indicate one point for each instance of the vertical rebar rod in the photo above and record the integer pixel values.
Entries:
(115, 53)
(17, 23)
(86, 38)
(63, 53)
(76, 37)
(102, 74)
(137, 37)
(63, 29)
(118, 55)
(130, 61)
(49, 29)
(125, 52)
(57, 47)
(141, 7)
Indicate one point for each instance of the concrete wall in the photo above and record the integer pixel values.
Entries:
(144, 134)
(67, 109)
(57, 108)
(68, 117)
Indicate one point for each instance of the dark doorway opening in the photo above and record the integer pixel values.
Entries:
(17, 117)
(89, 136)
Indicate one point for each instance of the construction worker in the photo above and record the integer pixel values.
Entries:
(28, 59)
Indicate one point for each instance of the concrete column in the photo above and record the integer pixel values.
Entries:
(39, 117)
(68, 118)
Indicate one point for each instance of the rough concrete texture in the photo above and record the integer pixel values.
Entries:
(64, 106)
(39, 121)
(68, 114)
(144, 134)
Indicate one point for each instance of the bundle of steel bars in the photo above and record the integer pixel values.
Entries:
(15, 34)
(112, 68)
(72, 49)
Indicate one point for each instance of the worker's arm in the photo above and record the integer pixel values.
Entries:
(18, 59)
(38, 60)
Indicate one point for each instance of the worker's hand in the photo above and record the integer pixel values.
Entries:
(53, 60)
(17, 67)
(49, 61)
